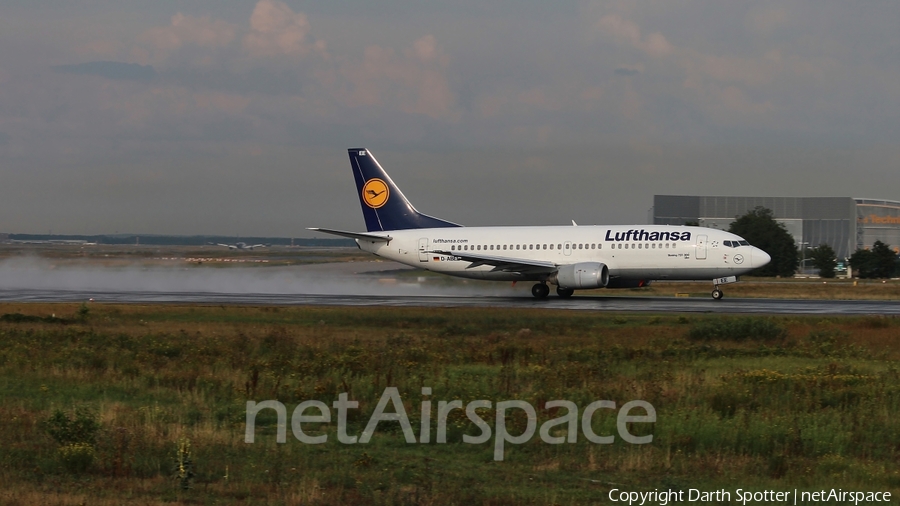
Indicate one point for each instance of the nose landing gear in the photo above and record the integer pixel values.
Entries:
(716, 293)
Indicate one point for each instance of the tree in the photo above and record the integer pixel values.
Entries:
(824, 259)
(878, 262)
(761, 230)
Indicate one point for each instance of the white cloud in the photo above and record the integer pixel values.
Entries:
(415, 81)
(277, 30)
(628, 32)
(183, 30)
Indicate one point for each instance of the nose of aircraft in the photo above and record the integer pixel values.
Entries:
(758, 258)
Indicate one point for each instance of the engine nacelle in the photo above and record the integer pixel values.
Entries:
(583, 275)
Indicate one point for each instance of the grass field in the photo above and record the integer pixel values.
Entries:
(113, 404)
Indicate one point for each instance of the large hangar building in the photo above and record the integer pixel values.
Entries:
(844, 223)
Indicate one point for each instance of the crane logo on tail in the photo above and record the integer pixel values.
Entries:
(375, 193)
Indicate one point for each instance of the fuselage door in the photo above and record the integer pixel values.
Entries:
(701, 247)
(568, 250)
(423, 249)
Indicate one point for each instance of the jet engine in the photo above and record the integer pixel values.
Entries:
(582, 275)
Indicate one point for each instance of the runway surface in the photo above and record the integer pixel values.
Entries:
(352, 284)
(584, 303)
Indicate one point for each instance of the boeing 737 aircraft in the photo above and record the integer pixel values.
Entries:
(570, 257)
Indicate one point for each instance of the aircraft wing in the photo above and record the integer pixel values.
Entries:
(504, 264)
(355, 235)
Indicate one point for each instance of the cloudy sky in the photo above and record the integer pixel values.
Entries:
(226, 117)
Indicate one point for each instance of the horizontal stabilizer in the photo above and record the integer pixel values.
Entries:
(355, 235)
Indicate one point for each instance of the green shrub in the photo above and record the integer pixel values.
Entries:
(184, 464)
(737, 329)
(81, 428)
(77, 457)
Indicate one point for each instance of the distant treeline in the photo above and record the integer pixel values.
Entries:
(182, 240)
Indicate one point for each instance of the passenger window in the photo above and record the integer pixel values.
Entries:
(640, 246)
(646, 246)
(600, 246)
(531, 246)
(593, 246)
(452, 248)
(545, 246)
(551, 246)
(559, 246)
(626, 246)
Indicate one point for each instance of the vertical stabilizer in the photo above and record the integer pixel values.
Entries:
(383, 204)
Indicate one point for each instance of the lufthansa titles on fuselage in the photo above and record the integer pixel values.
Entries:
(618, 236)
(643, 235)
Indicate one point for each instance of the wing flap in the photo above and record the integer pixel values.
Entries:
(503, 264)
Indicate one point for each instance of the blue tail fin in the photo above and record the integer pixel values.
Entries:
(383, 204)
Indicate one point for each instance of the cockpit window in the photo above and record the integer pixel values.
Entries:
(727, 243)
(744, 243)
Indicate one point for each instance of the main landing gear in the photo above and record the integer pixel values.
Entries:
(564, 293)
(540, 290)
(717, 294)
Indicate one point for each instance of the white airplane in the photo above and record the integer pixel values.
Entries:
(241, 245)
(570, 257)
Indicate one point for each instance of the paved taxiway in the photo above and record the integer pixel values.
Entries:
(583, 303)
